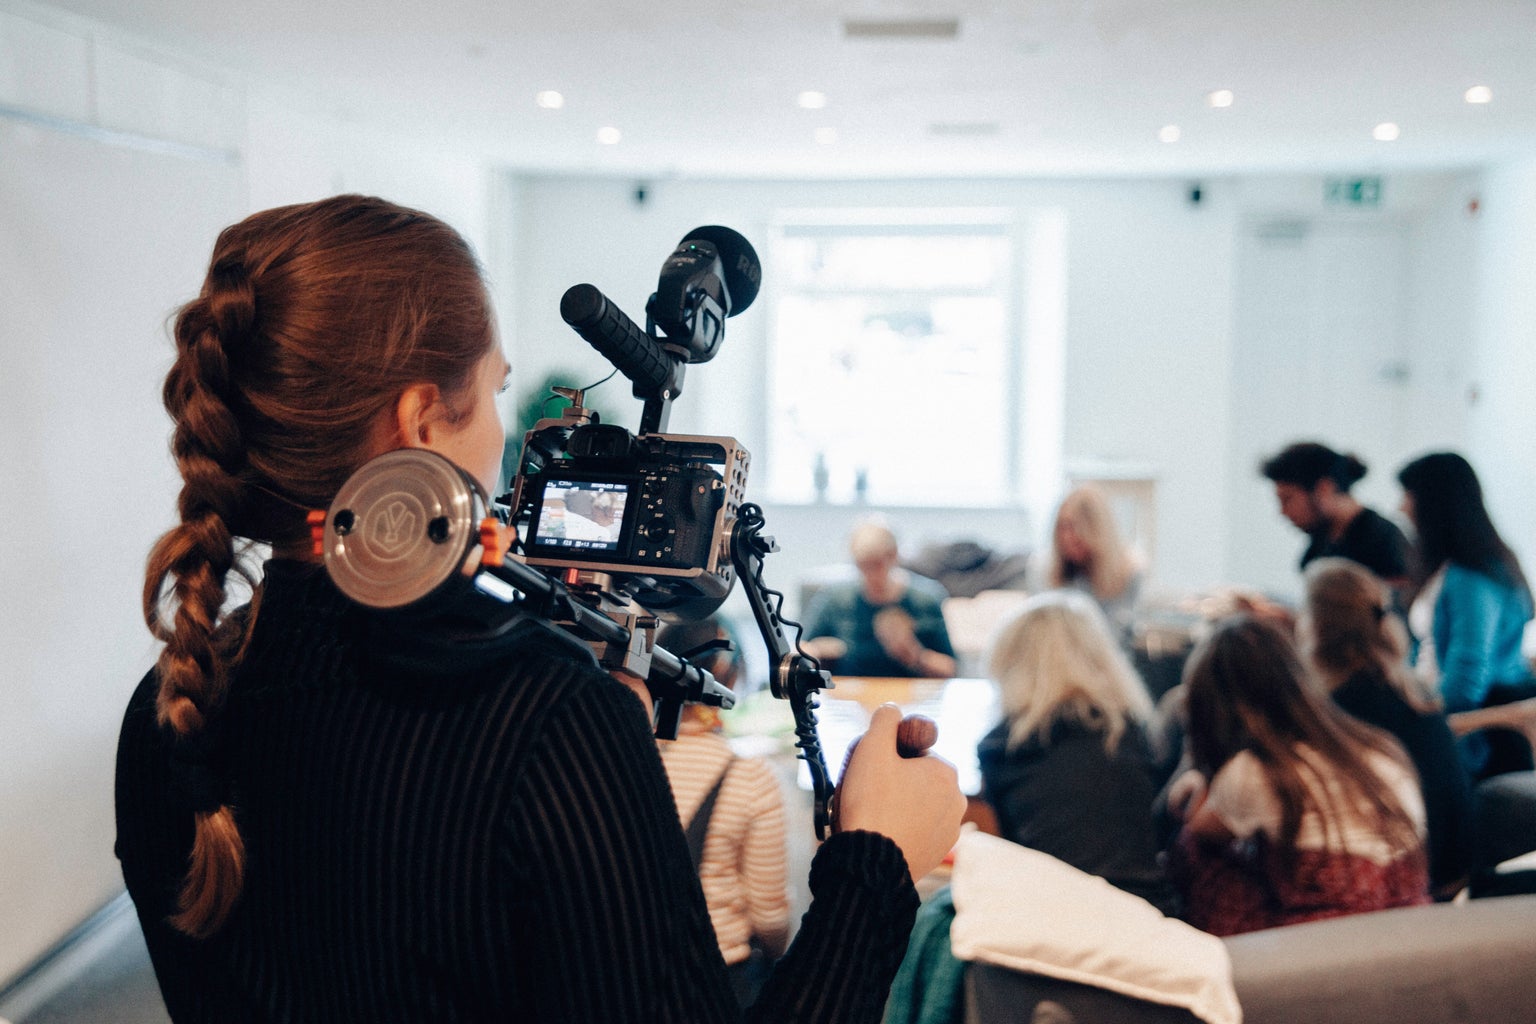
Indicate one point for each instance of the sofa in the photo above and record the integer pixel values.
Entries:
(1447, 963)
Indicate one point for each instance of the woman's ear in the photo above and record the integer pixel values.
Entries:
(419, 415)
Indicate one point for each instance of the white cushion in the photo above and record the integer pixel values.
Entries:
(1025, 910)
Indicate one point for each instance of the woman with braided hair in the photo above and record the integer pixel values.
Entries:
(322, 817)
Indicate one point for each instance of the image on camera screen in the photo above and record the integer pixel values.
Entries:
(585, 515)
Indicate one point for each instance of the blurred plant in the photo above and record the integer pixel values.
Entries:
(536, 404)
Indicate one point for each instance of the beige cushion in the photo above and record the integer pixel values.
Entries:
(1022, 909)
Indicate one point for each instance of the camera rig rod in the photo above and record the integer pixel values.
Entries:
(793, 676)
(413, 536)
(620, 638)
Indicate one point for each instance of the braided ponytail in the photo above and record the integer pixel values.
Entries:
(312, 322)
(198, 555)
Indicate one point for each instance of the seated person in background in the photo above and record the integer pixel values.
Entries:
(1359, 649)
(1068, 771)
(890, 623)
(590, 515)
(1294, 810)
(1472, 605)
(1088, 554)
(1312, 483)
(733, 811)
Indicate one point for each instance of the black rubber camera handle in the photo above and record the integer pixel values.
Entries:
(609, 329)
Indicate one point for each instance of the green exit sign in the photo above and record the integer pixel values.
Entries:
(1352, 191)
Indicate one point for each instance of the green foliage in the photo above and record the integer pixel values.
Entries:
(538, 403)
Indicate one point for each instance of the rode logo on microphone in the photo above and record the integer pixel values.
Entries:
(749, 269)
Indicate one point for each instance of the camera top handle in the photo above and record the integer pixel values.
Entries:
(656, 372)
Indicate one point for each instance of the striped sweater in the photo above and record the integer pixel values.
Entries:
(467, 832)
(743, 871)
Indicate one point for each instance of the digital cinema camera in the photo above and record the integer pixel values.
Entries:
(615, 530)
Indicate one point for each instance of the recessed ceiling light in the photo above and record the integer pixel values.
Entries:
(826, 136)
(1386, 132)
(1220, 99)
(811, 99)
(1479, 94)
(1168, 133)
(609, 136)
(549, 99)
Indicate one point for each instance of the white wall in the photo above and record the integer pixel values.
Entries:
(1502, 426)
(1351, 329)
(118, 166)
(93, 262)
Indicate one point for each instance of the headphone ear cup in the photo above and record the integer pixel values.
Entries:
(401, 528)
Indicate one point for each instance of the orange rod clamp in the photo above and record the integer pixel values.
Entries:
(316, 521)
(495, 541)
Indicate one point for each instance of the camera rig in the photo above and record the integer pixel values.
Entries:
(614, 531)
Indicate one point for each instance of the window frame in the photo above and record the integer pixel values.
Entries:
(1009, 289)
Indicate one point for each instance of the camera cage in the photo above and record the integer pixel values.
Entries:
(679, 495)
(413, 535)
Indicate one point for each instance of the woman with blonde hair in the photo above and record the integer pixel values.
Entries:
(1359, 650)
(1087, 554)
(1068, 770)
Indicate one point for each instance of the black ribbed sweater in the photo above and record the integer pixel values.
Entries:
(478, 834)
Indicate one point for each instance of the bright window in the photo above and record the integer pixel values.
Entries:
(891, 377)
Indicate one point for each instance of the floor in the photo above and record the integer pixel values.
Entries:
(102, 976)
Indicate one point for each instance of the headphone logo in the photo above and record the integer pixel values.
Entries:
(396, 526)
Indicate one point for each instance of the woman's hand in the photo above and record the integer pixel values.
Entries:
(914, 801)
(895, 630)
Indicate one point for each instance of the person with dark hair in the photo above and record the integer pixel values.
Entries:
(1473, 601)
(1293, 810)
(1312, 483)
(1359, 649)
(733, 812)
(324, 813)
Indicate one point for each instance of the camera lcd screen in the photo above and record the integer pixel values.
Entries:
(581, 515)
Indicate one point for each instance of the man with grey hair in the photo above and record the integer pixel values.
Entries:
(890, 623)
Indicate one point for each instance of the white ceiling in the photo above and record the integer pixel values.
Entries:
(1042, 87)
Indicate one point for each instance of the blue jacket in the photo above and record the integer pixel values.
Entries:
(1479, 623)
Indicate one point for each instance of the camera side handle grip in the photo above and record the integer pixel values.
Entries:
(607, 328)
